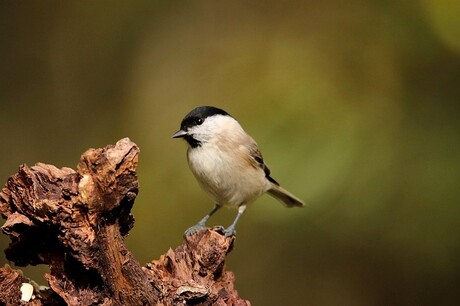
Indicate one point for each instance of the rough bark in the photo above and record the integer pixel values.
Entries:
(76, 221)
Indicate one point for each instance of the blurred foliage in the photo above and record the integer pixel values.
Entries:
(354, 104)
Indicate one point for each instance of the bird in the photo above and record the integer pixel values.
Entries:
(227, 164)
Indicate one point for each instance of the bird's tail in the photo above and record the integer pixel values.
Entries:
(285, 197)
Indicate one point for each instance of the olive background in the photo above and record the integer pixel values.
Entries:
(355, 106)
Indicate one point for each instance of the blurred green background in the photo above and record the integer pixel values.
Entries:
(354, 104)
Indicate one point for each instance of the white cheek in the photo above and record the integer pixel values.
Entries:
(210, 127)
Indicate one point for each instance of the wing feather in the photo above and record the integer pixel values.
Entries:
(256, 155)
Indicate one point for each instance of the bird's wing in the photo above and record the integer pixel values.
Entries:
(256, 156)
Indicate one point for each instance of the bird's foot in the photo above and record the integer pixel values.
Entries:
(228, 232)
(195, 229)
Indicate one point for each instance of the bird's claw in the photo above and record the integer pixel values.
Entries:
(195, 229)
(227, 232)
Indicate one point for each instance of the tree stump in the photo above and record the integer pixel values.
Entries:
(76, 221)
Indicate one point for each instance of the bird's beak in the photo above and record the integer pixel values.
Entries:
(180, 134)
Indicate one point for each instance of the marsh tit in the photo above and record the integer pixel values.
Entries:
(227, 164)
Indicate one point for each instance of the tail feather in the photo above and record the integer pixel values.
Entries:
(285, 197)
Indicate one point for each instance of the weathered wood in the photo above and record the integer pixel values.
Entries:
(75, 222)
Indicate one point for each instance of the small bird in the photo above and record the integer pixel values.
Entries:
(227, 164)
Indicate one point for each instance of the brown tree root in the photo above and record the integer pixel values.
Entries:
(76, 221)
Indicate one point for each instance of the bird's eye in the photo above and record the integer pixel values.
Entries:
(199, 121)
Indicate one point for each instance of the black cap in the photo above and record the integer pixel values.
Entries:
(199, 114)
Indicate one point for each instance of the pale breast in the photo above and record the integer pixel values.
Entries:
(227, 174)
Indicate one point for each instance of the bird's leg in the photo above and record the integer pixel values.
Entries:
(201, 225)
(231, 230)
